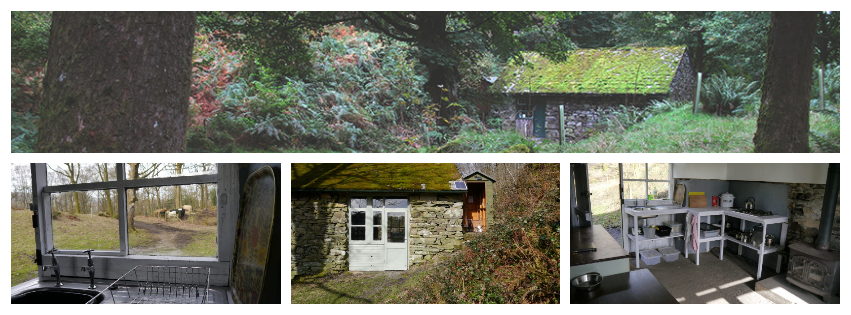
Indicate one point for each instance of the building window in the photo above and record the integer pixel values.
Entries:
(646, 180)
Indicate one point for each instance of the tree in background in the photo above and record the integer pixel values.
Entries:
(117, 82)
(784, 121)
(135, 172)
(72, 173)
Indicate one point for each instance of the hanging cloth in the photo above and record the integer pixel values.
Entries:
(694, 233)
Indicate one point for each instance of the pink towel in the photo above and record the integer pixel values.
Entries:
(694, 232)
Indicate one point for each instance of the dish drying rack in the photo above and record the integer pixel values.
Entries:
(159, 285)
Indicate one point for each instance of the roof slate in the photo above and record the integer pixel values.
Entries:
(640, 70)
(373, 176)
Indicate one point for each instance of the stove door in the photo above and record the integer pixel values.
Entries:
(810, 272)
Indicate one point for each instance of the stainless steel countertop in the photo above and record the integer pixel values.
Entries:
(217, 295)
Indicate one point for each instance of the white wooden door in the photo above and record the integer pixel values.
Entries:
(396, 246)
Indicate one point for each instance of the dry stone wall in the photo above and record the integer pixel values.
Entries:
(319, 234)
(806, 201)
(436, 222)
(319, 230)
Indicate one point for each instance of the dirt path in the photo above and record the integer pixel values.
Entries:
(167, 240)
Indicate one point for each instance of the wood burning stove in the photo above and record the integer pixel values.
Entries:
(814, 270)
(813, 267)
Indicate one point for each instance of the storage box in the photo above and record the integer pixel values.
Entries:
(676, 227)
(708, 234)
(651, 257)
(669, 253)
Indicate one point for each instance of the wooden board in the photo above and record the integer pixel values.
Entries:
(253, 236)
(697, 201)
(679, 194)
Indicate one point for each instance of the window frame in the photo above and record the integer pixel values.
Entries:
(369, 224)
(646, 180)
(115, 263)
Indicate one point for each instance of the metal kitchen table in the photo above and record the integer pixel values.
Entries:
(700, 212)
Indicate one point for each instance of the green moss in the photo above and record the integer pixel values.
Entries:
(380, 176)
(646, 70)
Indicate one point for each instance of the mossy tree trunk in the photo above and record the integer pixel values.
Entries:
(784, 121)
(117, 82)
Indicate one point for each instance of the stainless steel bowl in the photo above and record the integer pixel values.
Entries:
(587, 282)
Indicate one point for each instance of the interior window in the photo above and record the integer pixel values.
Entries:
(646, 180)
(162, 170)
(79, 173)
(85, 220)
(173, 220)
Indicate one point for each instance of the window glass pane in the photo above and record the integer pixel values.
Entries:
(79, 173)
(634, 190)
(633, 171)
(358, 233)
(659, 190)
(358, 217)
(396, 203)
(23, 237)
(376, 225)
(174, 220)
(378, 202)
(358, 202)
(658, 171)
(85, 220)
(395, 227)
(160, 170)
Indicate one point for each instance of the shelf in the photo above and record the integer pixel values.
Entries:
(768, 249)
(641, 238)
(710, 239)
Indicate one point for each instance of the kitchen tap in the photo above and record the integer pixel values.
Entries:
(55, 267)
(91, 270)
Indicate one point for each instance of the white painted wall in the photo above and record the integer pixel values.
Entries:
(810, 173)
(700, 170)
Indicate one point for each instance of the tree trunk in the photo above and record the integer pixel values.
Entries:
(442, 85)
(131, 197)
(117, 82)
(178, 194)
(784, 121)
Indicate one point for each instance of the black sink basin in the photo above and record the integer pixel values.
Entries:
(55, 296)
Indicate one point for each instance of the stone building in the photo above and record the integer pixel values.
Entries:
(372, 217)
(591, 84)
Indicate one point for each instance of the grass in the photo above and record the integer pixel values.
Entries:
(202, 245)
(23, 247)
(70, 232)
(358, 287)
(373, 176)
(674, 132)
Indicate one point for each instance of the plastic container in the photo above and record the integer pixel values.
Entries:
(649, 232)
(669, 253)
(676, 227)
(664, 230)
(651, 257)
(708, 234)
(727, 200)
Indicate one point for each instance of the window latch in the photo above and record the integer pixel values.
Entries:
(33, 206)
(37, 259)
(35, 220)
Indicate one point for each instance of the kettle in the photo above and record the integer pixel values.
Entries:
(749, 203)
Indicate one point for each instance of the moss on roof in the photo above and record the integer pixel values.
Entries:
(379, 176)
(642, 70)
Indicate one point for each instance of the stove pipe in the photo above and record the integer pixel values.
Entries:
(828, 208)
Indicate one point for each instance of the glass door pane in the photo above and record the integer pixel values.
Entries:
(396, 227)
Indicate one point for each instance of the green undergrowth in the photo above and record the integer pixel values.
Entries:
(675, 131)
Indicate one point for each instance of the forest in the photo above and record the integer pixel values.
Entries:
(407, 81)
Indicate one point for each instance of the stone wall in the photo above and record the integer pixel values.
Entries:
(319, 230)
(805, 201)
(684, 84)
(582, 112)
(435, 226)
(319, 237)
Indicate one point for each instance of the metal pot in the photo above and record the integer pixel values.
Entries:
(750, 203)
(770, 240)
(746, 236)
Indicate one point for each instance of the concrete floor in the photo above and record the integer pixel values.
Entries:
(731, 281)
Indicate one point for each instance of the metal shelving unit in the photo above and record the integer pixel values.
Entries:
(640, 238)
(761, 250)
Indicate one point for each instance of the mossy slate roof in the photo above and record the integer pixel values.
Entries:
(373, 177)
(639, 70)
